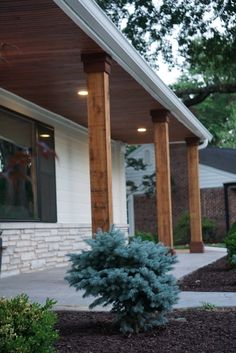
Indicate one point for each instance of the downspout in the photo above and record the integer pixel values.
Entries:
(203, 144)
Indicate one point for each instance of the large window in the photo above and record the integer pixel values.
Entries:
(27, 169)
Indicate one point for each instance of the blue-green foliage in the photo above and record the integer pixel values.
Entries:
(132, 277)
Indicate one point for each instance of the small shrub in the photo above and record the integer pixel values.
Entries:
(208, 306)
(232, 228)
(132, 277)
(182, 234)
(233, 261)
(26, 327)
(230, 242)
(146, 236)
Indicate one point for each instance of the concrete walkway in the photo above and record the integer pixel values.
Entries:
(51, 284)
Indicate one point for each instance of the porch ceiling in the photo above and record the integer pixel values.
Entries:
(40, 61)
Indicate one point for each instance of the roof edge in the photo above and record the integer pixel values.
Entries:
(94, 22)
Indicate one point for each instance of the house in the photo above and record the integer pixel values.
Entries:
(218, 185)
(217, 177)
(71, 84)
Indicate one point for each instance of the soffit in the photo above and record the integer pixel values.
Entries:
(40, 61)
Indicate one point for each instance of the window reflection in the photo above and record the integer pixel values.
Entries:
(17, 192)
(27, 169)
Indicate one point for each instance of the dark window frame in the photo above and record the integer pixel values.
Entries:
(39, 192)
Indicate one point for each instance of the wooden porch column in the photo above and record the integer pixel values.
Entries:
(98, 66)
(196, 244)
(163, 180)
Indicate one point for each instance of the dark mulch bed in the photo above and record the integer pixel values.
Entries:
(188, 331)
(216, 277)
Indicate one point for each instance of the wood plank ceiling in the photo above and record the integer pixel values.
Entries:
(40, 61)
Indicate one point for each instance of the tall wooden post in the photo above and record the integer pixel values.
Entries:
(97, 67)
(163, 179)
(196, 244)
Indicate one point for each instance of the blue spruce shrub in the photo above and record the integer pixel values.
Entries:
(132, 277)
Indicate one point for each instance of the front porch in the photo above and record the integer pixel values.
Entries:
(51, 52)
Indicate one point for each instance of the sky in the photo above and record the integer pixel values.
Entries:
(168, 77)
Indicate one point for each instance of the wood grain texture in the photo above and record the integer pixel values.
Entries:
(41, 62)
(196, 244)
(100, 150)
(163, 190)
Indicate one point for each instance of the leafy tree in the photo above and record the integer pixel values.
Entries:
(204, 32)
(209, 85)
(218, 114)
(147, 22)
(211, 69)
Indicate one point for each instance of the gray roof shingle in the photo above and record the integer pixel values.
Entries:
(219, 158)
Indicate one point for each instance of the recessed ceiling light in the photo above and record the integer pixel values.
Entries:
(141, 129)
(44, 135)
(83, 93)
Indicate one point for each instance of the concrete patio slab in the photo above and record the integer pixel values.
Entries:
(191, 262)
(51, 284)
(196, 299)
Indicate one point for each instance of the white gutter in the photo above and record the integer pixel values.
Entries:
(94, 22)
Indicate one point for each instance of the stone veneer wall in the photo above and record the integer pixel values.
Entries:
(31, 247)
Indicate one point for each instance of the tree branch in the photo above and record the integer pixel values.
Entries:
(201, 93)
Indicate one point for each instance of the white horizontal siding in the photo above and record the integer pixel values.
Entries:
(72, 176)
(72, 166)
(73, 180)
(211, 177)
(137, 175)
(119, 183)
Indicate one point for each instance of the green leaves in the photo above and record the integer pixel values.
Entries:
(197, 36)
(26, 327)
(230, 242)
(148, 22)
(182, 230)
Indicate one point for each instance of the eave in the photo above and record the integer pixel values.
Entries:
(48, 71)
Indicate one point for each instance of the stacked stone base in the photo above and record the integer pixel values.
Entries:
(37, 246)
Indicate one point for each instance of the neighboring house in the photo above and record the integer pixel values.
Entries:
(217, 177)
(218, 185)
(51, 50)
